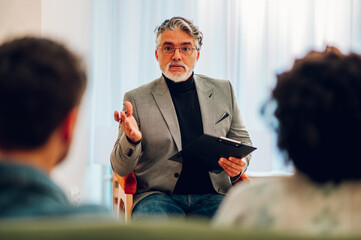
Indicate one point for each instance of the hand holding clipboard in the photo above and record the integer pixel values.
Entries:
(209, 149)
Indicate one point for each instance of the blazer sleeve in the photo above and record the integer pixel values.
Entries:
(238, 129)
(125, 155)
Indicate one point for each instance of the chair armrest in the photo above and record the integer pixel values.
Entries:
(243, 178)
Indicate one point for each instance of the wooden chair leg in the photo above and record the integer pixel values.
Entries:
(128, 204)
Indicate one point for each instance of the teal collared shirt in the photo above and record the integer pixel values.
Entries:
(26, 191)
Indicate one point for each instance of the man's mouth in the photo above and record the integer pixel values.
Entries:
(175, 66)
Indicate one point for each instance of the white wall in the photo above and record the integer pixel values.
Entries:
(18, 17)
(70, 22)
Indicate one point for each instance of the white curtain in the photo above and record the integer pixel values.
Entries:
(246, 42)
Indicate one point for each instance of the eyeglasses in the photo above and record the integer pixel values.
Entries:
(185, 50)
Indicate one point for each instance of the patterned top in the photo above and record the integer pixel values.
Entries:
(294, 204)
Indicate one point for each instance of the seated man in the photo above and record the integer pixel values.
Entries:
(167, 114)
(319, 125)
(41, 85)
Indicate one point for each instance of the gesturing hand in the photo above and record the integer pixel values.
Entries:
(128, 123)
(232, 166)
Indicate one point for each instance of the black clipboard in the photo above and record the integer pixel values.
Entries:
(209, 149)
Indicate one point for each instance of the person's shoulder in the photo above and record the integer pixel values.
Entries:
(251, 195)
(202, 77)
(213, 83)
(259, 186)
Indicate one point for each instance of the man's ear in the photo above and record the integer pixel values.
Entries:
(198, 54)
(156, 54)
(69, 125)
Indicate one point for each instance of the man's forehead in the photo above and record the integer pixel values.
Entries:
(172, 44)
(176, 37)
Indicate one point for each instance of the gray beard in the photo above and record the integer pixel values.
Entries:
(177, 78)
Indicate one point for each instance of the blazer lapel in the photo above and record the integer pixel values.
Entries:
(164, 101)
(206, 103)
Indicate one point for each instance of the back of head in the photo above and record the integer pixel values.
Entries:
(319, 114)
(40, 82)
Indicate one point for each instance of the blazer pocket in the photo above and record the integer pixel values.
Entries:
(223, 116)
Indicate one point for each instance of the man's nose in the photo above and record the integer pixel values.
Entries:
(176, 54)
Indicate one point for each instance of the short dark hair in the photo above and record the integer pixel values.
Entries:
(40, 82)
(319, 115)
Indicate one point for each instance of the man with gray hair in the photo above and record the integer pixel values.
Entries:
(162, 117)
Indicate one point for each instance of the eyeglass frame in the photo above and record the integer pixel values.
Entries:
(179, 48)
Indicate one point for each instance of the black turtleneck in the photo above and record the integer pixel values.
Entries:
(194, 178)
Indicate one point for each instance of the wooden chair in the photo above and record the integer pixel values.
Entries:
(124, 188)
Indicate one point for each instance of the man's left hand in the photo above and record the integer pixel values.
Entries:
(232, 166)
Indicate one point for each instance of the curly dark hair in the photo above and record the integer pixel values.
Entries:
(319, 115)
(40, 82)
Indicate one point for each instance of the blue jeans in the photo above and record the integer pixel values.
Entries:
(191, 205)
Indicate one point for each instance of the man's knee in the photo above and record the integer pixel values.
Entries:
(157, 204)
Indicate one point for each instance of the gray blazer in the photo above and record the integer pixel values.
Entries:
(157, 120)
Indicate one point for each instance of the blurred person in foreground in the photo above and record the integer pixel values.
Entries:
(162, 117)
(41, 85)
(318, 108)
